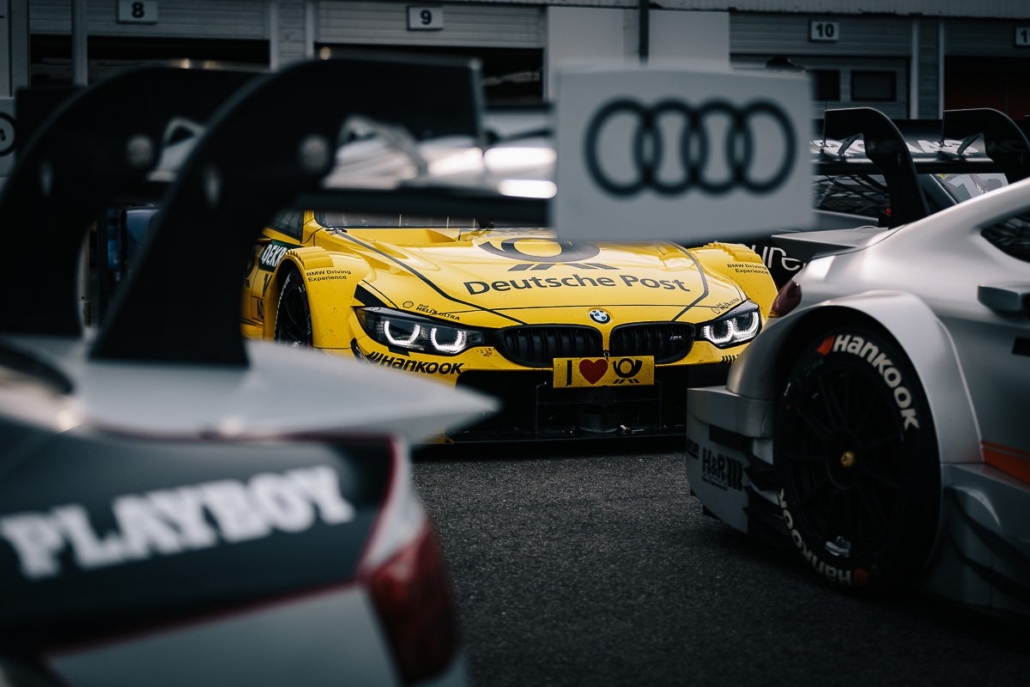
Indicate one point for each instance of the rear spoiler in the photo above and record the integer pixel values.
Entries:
(886, 148)
(99, 145)
(1005, 143)
(900, 157)
(937, 146)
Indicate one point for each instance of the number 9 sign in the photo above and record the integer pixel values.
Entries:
(425, 18)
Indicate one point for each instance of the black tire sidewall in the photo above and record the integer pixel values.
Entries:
(291, 281)
(874, 362)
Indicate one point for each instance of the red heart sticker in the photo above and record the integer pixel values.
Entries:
(593, 370)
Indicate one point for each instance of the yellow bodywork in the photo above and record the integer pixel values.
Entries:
(491, 279)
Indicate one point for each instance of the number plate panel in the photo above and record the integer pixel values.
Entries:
(613, 371)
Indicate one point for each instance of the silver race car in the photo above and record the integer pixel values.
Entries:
(880, 423)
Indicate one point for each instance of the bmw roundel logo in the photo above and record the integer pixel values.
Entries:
(600, 316)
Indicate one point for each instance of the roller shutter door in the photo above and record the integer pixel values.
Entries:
(787, 34)
(385, 23)
(182, 18)
(866, 66)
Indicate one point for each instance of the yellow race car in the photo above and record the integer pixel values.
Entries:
(577, 339)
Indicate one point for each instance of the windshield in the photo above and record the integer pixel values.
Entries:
(354, 220)
(359, 220)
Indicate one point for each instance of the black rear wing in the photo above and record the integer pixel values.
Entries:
(900, 157)
(1004, 141)
(885, 148)
(946, 146)
(99, 145)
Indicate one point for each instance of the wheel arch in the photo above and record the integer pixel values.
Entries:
(331, 280)
(901, 317)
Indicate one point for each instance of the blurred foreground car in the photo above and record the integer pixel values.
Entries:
(577, 339)
(160, 525)
(179, 506)
(880, 426)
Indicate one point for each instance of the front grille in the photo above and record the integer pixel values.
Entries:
(666, 341)
(533, 409)
(539, 345)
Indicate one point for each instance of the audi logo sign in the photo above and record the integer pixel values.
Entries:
(689, 155)
(686, 135)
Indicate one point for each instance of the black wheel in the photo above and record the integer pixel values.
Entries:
(293, 314)
(857, 460)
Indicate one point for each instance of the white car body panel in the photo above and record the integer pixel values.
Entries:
(283, 392)
(333, 636)
(919, 282)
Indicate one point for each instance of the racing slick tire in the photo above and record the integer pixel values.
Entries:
(293, 313)
(856, 459)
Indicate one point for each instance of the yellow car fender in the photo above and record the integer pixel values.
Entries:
(743, 266)
(330, 280)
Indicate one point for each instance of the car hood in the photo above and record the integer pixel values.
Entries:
(507, 272)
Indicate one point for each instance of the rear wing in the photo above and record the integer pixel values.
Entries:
(99, 145)
(885, 148)
(865, 141)
(1004, 141)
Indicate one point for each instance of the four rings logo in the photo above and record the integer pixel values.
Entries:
(673, 147)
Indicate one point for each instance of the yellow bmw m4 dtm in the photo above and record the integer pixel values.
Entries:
(577, 339)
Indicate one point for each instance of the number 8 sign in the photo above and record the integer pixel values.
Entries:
(425, 18)
(137, 11)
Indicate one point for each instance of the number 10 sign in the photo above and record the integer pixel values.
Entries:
(425, 18)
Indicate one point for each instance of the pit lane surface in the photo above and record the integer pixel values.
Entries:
(591, 565)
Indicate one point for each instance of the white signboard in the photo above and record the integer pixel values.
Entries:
(1022, 36)
(693, 153)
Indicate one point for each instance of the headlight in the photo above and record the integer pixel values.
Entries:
(741, 324)
(401, 330)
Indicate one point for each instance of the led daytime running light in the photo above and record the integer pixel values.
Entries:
(733, 330)
(399, 330)
(459, 344)
(388, 326)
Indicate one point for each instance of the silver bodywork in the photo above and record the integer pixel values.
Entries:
(333, 640)
(282, 392)
(319, 637)
(923, 284)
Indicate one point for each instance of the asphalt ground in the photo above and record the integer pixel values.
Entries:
(591, 565)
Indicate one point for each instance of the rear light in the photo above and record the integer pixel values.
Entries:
(408, 582)
(413, 597)
(787, 299)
